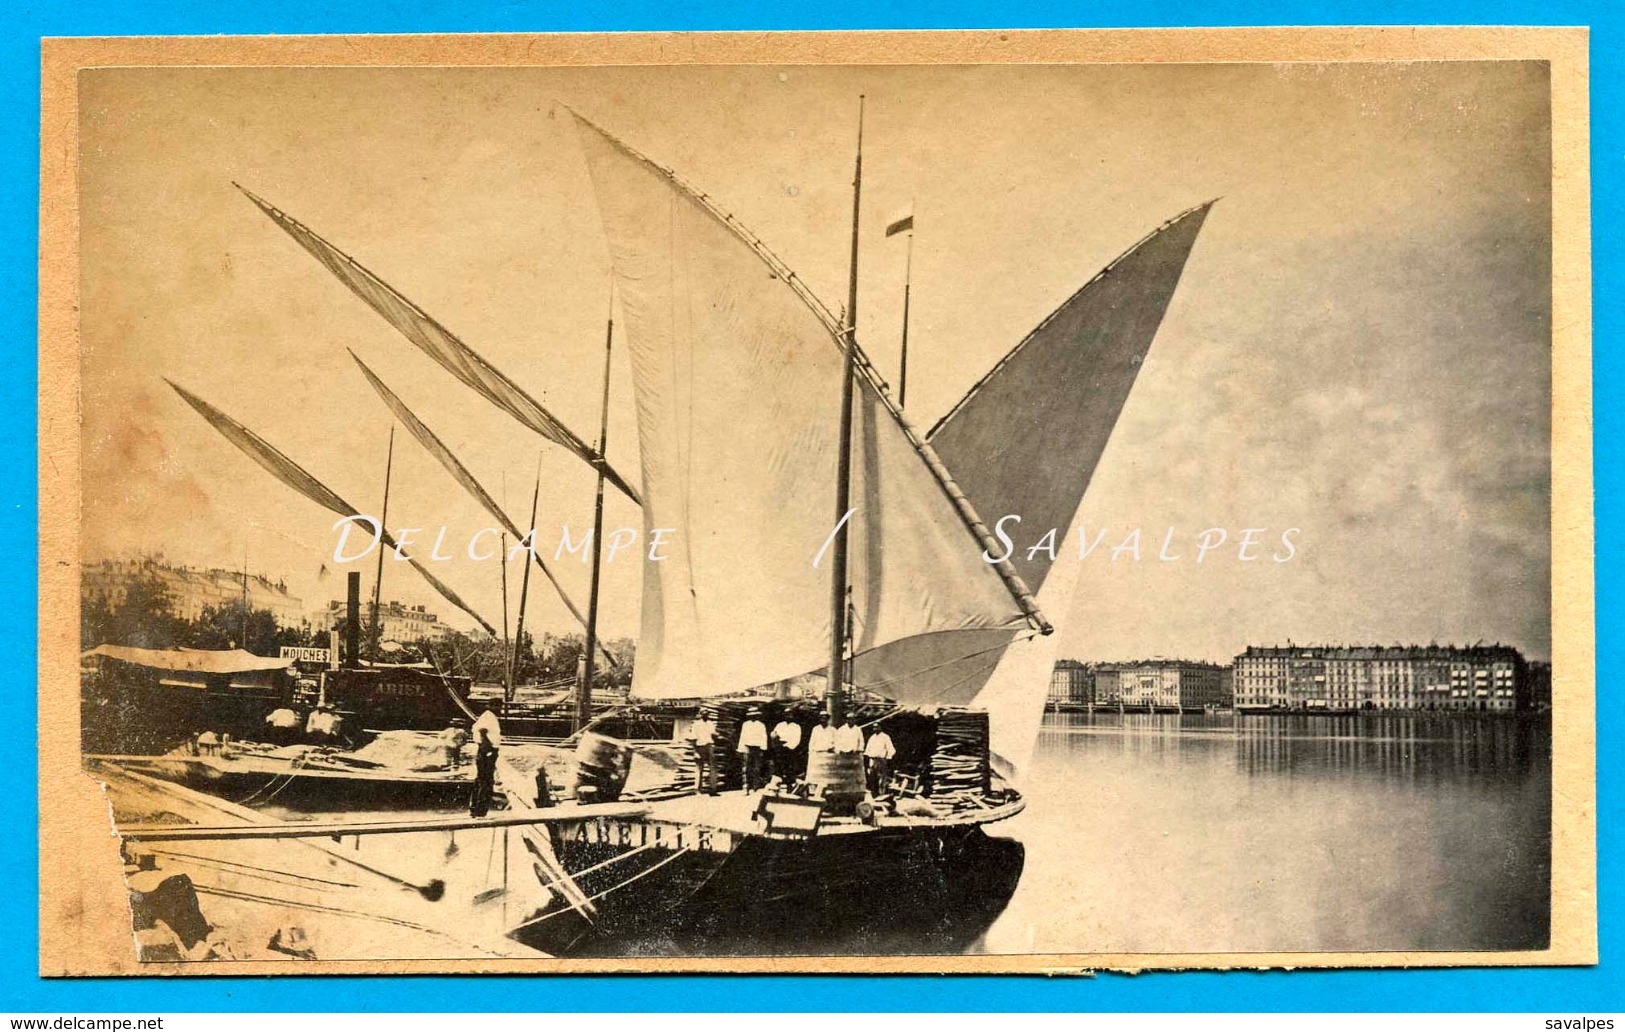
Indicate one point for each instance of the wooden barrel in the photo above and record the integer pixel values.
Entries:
(602, 763)
(839, 778)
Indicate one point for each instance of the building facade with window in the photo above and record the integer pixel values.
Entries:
(1072, 683)
(1161, 684)
(1491, 679)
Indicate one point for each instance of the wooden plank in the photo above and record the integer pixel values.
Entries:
(334, 829)
(271, 767)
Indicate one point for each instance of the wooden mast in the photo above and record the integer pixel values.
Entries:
(524, 583)
(834, 692)
(375, 628)
(902, 363)
(584, 689)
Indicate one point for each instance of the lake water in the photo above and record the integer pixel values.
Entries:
(1155, 833)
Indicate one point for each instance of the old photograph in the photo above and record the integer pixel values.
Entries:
(789, 513)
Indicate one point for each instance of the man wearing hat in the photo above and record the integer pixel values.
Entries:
(822, 737)
(848, 736)
(753, 748)
(702, 736)
(786, 740)
(877, 756)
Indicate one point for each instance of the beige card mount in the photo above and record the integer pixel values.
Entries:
(1176, 442)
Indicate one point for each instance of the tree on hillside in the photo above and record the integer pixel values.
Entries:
(224, 627)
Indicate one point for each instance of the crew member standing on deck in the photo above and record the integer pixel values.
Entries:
(753, 748)
(485, 774)
(822, 738)
(786, 739)
(848, 736)
(878, 755)
(702, 737)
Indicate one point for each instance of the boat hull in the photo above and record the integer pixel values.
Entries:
(917, 890)
(142, 716)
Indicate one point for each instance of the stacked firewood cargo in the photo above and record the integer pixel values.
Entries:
(960, 770)
(730, 716)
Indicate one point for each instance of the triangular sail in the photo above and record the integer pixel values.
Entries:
(737, 374)
(1026, 440)
(442, 454)
(291, 474)
(440, 343)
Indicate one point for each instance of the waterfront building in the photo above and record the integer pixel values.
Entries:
(1108, 684)
(1072, 683)
(192, 589)
(1341, 678)
(1161, 683)
(398, 621)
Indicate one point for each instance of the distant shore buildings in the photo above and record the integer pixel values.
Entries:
(1315, 678)
(398, 621)
(1162, 684)
(192, 589)
(1485, 679)
(1144, 684)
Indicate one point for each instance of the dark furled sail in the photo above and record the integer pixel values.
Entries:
(440, 343)
(292, 474)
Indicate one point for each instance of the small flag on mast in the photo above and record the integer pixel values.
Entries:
(901, 225)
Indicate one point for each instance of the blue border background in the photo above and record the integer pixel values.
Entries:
(1553, 991)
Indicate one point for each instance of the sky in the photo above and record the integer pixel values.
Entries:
(1359, 348)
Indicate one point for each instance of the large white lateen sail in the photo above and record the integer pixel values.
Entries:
(737, 372)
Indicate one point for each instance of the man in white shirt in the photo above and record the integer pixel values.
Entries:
(848, 736)
(822, 738)
(753, 748)
(702, 735)
(878, 754)
(786, 739)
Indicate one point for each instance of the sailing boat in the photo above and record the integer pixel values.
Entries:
(750, 391)
(742, 375)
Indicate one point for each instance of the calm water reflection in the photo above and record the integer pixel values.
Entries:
(1151, 833)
